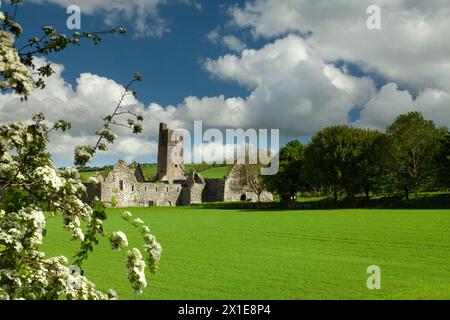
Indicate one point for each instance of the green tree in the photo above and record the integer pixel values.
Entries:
(414, 144)
(443, 163)
(343, 158)
(289, 179)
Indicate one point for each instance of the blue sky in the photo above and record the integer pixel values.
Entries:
(171, 64)
(292, 65)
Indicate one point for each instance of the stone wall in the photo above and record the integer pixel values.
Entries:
(170, 155)
(123, 188)
(231, 194)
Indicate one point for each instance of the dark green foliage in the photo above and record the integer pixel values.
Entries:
(288, 181)
(443, 163)
(91, 235)
(414, 144)
(346, 159)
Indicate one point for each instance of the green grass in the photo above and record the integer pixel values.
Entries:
(149, 171)
(85, 175)
(232, 254)
(216, 172)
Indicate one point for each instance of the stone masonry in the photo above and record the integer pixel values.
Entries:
(125, 186)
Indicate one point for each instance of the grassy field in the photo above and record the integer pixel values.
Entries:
(216, 172)
(239, 254)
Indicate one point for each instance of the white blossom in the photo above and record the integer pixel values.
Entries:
(118, 240)
(136, 270)
(127, 215)
(15, 74)
(108, 135)
(49, 176)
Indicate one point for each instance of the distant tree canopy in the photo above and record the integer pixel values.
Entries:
(342, 158)
(411, 156)
(443, 163)
(289, 180)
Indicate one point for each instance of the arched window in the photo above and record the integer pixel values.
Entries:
(121, 185)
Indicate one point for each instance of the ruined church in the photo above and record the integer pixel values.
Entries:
(126, 186)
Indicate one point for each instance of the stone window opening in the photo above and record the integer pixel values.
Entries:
(132, 188)
(121, 185)
(167, 189)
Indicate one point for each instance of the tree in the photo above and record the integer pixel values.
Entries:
(249, 179)
(342, 158)
(289, 180)
(443, 162)
(371, 165)
(32, 188)
(414, 144)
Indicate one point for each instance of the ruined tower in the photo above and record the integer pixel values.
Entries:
(170, 155)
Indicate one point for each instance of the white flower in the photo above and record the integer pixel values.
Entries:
(93, 180)
(15, 74)
(127, 215)
(2, 17)
(50, 177)
(108, 135)
(118, 240)
(136, 270)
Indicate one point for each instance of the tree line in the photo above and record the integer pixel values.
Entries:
(411, 156)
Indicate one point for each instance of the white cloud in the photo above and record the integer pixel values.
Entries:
(233, 43)
(83, 106)
(213, 36)
(292, 87)
(411, 48)
(229, 41)
(143, 14)
(390, 102)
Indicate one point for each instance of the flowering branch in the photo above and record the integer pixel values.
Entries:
(32, 187)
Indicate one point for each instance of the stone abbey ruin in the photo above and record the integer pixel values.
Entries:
(126, 186)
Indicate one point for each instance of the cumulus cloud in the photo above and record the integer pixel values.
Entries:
(390, 102)
(292, 88)
(214, 35)
(411, 48)
(83, 106)
(233, 43)
(229, 41)
(293, 81)
(143, 14)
